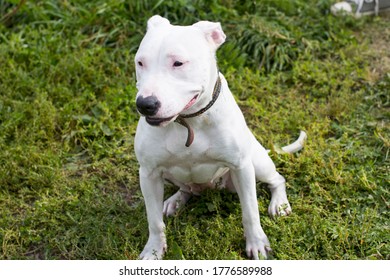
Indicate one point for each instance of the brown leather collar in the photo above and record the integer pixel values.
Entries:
(181, 118)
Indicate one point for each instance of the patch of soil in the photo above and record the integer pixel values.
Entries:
(377, 36)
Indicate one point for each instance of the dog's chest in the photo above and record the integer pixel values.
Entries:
(203, 164)
(201, 173)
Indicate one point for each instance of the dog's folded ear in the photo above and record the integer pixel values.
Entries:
(213, 32)
(156, 21)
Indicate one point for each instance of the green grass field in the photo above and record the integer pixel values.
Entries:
(68, 175)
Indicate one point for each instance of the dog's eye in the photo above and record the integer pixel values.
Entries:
(177, 64)
(140, 63)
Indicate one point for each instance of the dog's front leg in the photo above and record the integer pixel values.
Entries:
(245, 183)
(152, 186)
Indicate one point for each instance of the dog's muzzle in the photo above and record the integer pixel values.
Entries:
(149, 106)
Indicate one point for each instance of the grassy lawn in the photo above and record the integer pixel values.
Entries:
(68, 175)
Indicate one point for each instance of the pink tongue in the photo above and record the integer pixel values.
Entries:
(190, 103)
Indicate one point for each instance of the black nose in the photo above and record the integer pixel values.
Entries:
(148, 106)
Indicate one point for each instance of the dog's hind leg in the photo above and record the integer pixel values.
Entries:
(265, 171)
(172, 204)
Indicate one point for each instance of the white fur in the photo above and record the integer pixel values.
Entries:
(224, 151)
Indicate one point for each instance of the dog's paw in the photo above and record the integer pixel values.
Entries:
(154, 250)
(279, 205)
(172, 204)
(258, 248)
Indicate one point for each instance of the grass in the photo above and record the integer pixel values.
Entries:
(68, 175)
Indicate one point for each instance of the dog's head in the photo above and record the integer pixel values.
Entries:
(174, 67)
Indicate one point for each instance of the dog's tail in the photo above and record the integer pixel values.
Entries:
(296, 146)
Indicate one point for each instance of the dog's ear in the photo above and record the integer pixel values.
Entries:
(156, 21)
(212, 31)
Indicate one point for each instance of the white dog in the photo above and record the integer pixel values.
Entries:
(193, 134)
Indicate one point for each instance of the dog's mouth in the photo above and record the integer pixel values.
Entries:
(192, 102)
(160, 121)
